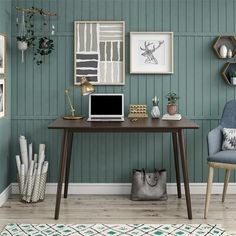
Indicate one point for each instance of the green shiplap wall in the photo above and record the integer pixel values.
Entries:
(5, 123)
(38, 91)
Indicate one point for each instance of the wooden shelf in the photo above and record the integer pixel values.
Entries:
(228, 41)
(227, 70)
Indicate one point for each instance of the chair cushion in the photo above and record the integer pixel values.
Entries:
(228, 156)
(229, 139)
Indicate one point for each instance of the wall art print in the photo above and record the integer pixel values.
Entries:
(2, 98)
(151, 52)
(99, 52)
(2, 54)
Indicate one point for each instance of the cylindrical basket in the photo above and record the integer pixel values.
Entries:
(32, 187)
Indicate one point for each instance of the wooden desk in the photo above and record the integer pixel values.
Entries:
(141, 125)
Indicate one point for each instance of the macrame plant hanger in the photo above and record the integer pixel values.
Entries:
(22, 45)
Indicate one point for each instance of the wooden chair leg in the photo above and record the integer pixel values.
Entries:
(226, 181)
(209, 188)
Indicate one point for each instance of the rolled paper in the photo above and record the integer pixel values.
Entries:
(35, 158)
(24, 152)
(22, 178)
(18, 163)
(43, 178)
(30, 153)
(30, 182)
(41, 155)
(35, 194)
(45, 167)
(41, 148)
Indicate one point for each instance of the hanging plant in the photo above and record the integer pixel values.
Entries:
(26, 36)
(45, 47)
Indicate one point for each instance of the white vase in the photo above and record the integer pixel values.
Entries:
(233, 80)
(155, 113)
(229, 53)
(22, 45)
(223, 51)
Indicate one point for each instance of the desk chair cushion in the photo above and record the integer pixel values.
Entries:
(228, 156)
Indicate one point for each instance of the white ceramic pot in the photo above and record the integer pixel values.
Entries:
(223, 51)
(233, 80)
(22, 45)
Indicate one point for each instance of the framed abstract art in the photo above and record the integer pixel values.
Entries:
(151, 52)
(99, 52)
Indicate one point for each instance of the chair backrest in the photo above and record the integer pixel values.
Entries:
(228, 119)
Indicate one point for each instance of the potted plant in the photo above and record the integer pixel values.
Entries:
(22, 43)
(172, 101)
(233, 78)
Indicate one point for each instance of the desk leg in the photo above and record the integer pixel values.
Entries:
(61, 173)
(185, 172)
(68, 161)
(176, 156)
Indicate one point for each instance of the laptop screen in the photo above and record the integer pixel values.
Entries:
(106, 105)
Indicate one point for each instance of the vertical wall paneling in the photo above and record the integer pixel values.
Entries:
(38, 91)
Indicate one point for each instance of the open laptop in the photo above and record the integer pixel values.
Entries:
(106, 107)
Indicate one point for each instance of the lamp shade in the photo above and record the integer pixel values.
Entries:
(86, 87)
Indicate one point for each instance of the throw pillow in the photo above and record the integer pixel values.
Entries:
(229, 139)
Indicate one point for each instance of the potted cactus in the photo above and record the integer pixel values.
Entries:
(172, 103)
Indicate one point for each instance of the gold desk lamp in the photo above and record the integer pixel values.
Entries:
(86, 89)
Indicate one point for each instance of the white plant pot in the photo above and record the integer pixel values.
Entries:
(22, 45)
(223, 51)
(233, 80)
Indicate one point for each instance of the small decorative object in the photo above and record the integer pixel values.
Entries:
(2, 54)
(32, 172)
(99, 52)
(229, 53)
(172, 117)
(223, 51)
(26, 37)
(172, 100)
(229, 139)
(155, 109)
(233, 78)
(2, 98)
(138, 111)
(151, 52)
(86, 89)
(149, 186)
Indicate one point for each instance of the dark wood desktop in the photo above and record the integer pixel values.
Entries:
(69, 127)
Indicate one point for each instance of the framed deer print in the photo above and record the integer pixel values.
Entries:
(2, 54)
(99, 52)
(2, 98)
(151, 52)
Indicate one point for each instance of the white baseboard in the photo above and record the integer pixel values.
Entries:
(5, 195)
(124, 188)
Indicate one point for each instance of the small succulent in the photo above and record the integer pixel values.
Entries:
(172, 98)
(233, 74)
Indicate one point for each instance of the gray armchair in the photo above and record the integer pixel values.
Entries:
(217, 158)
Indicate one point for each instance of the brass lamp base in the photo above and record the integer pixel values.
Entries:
(72, 117)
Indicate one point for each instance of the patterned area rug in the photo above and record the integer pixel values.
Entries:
(115, 229)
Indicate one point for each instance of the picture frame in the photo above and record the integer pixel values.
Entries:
(2, 98)
(2, 54)
(99, 52)
(151, 52)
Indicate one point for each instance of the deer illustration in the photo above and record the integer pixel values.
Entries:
(148, 53)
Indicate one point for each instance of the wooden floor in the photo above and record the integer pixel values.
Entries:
(119, 209)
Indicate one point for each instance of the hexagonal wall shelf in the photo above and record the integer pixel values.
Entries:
(228, 41)
(227, 70)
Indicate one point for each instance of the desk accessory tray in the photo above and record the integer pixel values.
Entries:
(138, 111)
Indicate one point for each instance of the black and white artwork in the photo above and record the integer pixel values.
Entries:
(99, 52)
(2, 97)
(2, 54)
(151, 52)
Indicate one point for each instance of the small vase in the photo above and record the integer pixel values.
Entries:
(229, 53)
(233, 80)
(171, 109)
(22, 45)
(223, 51)
(155, 113)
